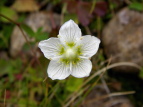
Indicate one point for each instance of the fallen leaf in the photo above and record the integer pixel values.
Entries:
(100, 8)
(82, 9)
(25, 6)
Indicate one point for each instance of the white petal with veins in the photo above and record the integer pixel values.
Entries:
(90, 45)
(69, 32)
(57, 70)
(82, 69)
(50, 47)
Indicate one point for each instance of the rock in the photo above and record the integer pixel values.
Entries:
(122, 38)
(46, 20)
(35, 21)
(17, 42)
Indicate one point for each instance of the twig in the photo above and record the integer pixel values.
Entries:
(45, 79)
(112, 66)
(103, 81)
(111, 95)
(105, 85)
(52, 21)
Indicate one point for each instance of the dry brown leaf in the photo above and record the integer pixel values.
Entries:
(25, 5)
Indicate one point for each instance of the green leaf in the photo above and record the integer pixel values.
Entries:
(28, 30)
(40, 35)
(21, 18)
(7, 31)
(8, 12)
(39, 30)
(73, 83)
(137, 6)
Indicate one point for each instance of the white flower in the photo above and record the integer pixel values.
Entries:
(70, 52)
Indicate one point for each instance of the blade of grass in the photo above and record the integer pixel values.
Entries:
(53, 90)
(101, 71)
(112, 66)
(63, 12)
(93, 6)
(76, 95)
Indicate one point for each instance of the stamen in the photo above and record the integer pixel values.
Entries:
(70, 54)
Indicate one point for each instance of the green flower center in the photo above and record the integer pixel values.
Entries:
(70, 54)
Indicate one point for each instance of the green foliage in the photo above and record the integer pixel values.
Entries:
(50, 93)
(73, 83)
(38, 35)
(8, 12)
(21, 18)
(28, 30)
(33, 71)
(136, 6)
(5, 36)
(10, 67)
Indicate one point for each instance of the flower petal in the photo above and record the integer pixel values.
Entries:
(50, 47)
(89, 45)
(58, 70)
(69, 32)
(82, 69)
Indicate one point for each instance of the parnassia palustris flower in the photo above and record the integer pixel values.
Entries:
(70, 52)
